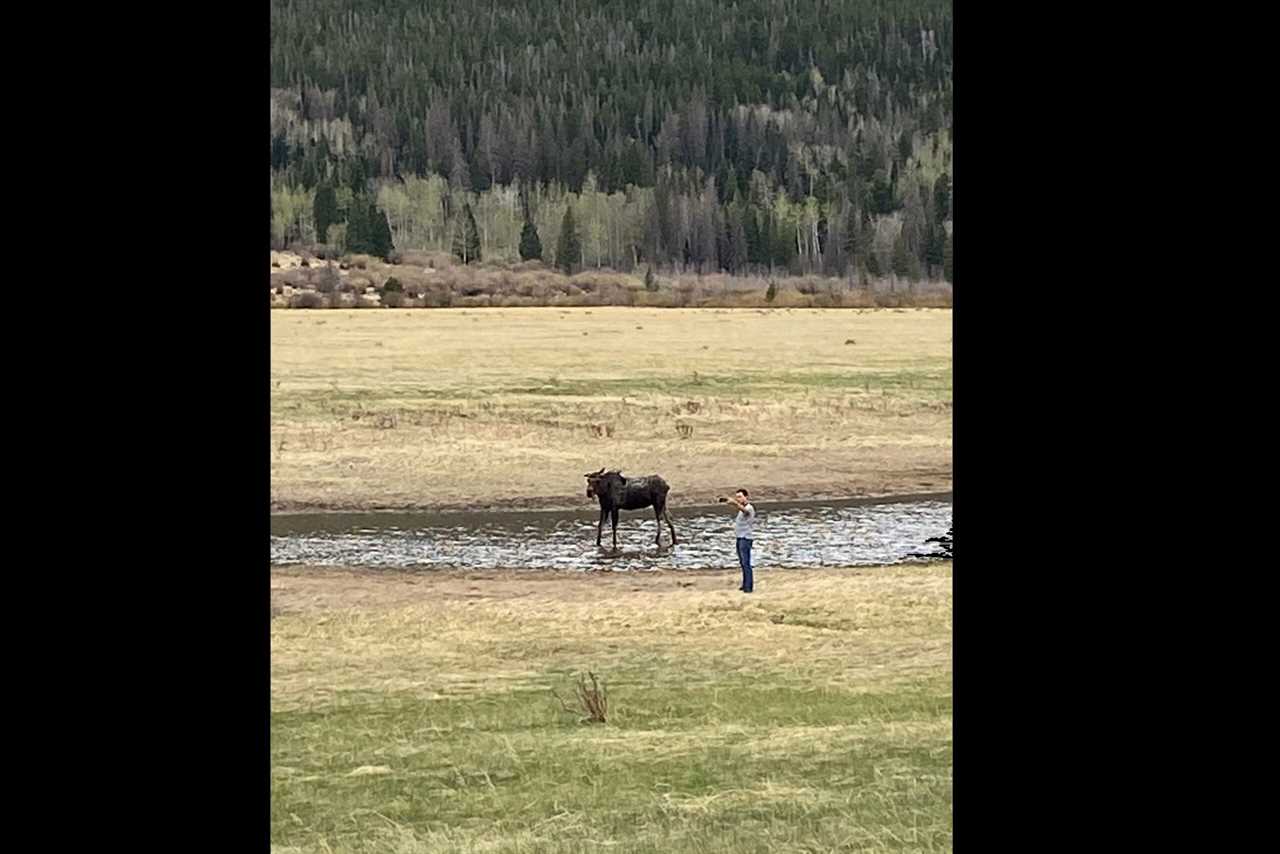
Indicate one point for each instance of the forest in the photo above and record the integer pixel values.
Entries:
(793, 136)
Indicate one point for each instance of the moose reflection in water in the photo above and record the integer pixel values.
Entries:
(616, 492)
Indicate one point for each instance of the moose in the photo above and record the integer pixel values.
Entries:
(616, 492)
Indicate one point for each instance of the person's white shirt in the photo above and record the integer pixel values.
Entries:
(744, 521)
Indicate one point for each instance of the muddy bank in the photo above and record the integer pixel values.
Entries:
(937, 487)
(315, 589)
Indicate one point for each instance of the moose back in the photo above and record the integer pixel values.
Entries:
(616, 492)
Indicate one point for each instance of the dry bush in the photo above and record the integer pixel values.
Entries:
(325, 251)
(434, 297)
(592, 699)
(328, 279)
(295, 278)
(662, 299)
(413, 258)
(310, 299)
(606, 281)
(789, 298)
(527, 266)
(437, 260)
(360, 262)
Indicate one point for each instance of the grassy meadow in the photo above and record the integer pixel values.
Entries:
(449, 408)
(414, 712)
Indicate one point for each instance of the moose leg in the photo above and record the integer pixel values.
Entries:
(600, 526)
(614, 517)
(657, 513)
(667, 516)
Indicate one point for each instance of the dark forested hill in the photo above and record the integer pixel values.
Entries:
(806, 134)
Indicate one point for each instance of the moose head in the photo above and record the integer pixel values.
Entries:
(601, 482)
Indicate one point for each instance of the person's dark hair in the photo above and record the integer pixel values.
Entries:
(744, 492)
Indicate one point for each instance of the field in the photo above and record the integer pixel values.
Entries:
(414, 713)
(453, 408)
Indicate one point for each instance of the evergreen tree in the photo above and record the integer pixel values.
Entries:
(530, 244)
(358, 239)
(901, 256)
(936, 247)
(946, 260)
(325, 211)
(904, 146)
(852, 233)
(757, 252)
(569, 249)
(466, 236)
(379, 233)
(882, 201)
(873, 264)
(942, 197)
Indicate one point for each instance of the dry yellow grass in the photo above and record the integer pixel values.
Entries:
(413, 712)
(378, 630)
(456, 407)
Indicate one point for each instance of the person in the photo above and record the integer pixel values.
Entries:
(742, 530)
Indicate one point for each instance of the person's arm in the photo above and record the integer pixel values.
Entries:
(734, 504)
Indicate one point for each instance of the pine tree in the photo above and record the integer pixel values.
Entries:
(904, 146)
(379, 233)
(358, 242)
(852, 245)
(882, 200)
(325, 211)
(756, 250)
(530, 243)
(946, 260)
(942, 197)
(873, 264)
(935, 248)
(901, 256)
(466, 236)
(569, 249)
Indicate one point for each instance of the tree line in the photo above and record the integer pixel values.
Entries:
(803, 134)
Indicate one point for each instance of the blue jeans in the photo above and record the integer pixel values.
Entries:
(744, 559)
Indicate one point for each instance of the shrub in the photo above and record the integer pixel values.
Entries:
(393, 299)
(310, 299)
(592, 699)
(328, 280)
(393, 286)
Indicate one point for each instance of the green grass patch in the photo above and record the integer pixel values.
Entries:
(734, 767)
